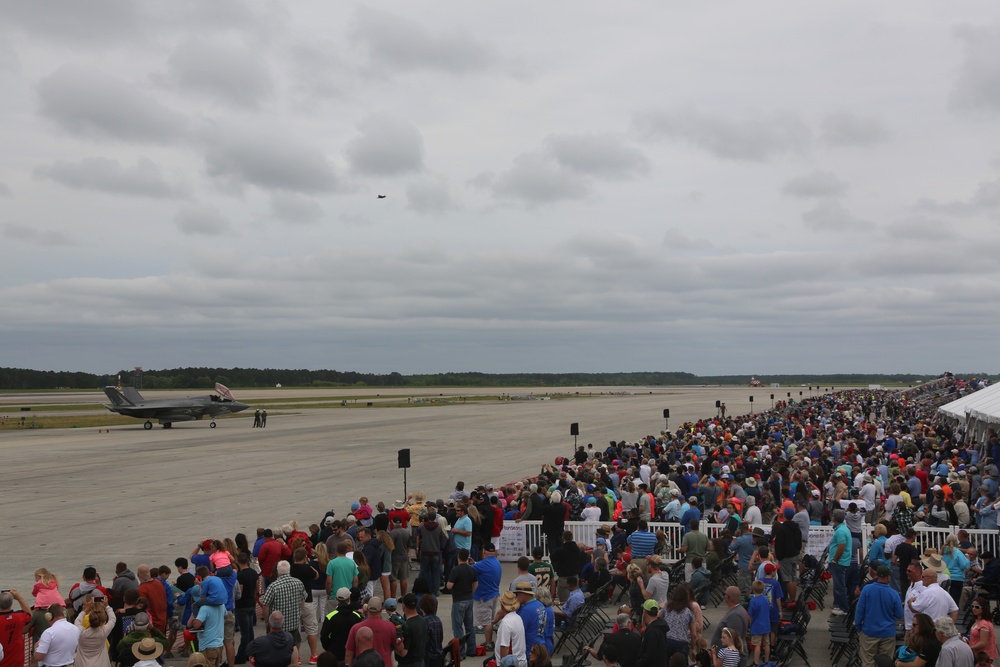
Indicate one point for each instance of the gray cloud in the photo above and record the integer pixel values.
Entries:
(755, 139)
(847, 129)
(977, 88)
(832, 216)
(5, 190)
(400, 44)
(815, 184)
(428, 196)
(9, 62)
(92, 22)
(144, 178)
(919, 228)
(986, 198)
(202, 219)
(291, 207)
(94, 104)
(229, 73)
(674, 239)
(15, 231)
(386, 147)
(602, 155)
(533, 180)
(267, 160)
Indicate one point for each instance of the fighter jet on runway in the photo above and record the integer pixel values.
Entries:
(129, 402)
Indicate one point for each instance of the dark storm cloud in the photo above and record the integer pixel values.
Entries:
(236, 158)
(846, 129)
(755, 139)
(535, 179)
(386, 147)
(229, 73)
(602, 155)
(93, 104)
(201, 219)
(832, 216)
(985, 199)
(144, 178)
(978, 84)
(398, 43)
(291, 207)
(428, 196)
(815, 184)
(14, 231)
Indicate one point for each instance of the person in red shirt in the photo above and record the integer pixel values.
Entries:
(156, 597)
(272, 551)
(399, 510)
(497, 517)
(13, 626)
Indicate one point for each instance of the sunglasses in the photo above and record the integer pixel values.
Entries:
(976, 606)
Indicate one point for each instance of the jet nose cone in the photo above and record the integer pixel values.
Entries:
(239, 407)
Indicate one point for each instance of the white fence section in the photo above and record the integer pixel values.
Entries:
(518, 539)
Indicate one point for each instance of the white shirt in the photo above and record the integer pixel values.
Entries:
(644, 471)
(935, 602)
(591, 513)
(753, 516)
(912, 593)
(59, 643)
(511, 633)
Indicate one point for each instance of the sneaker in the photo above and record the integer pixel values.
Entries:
(837, 612)
(489, 648)
(313, 659)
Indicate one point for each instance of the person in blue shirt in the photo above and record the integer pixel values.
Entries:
(744, 549)
(879, 609)
(760, 623)
(876, 552)
(487, 593)
(774, 595)
(693, 513)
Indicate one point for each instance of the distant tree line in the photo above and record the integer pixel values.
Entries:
(205, 378)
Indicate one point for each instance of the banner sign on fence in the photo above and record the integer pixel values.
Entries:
(510, 545)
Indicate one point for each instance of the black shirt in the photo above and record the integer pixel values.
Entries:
(463, 577)
(416, 641)
(627, 643)
(304, 573)
(905, 553)
(185, 581)
(247, 579)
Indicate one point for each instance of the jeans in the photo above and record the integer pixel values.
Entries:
(894, 580)
(430, 570)
(461, 617)
(839, 573)
(244, 623)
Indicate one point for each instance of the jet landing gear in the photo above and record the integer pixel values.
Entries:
(148, 425)
(212, 425)
(167, 424)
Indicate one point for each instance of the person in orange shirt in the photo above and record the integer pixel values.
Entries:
(156, 597)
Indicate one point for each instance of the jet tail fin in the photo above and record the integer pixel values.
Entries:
(116, 397)
(132, 395)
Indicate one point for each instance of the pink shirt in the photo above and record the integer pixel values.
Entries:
(985, 625)
(220, 559)
(46, 594)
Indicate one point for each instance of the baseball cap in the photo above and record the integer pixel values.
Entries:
(509, 661)
(789, 512)
(651, 605)
(390, 603)
(883, 571)
(770, 568)
(375, 604)
(344, 594)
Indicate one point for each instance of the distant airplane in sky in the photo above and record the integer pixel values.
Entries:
(381, 196)
(129, 402)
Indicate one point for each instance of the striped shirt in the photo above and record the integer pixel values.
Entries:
(643, 543)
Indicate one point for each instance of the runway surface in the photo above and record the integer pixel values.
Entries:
(76, 497)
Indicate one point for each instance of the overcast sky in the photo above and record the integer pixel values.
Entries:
(726, 187)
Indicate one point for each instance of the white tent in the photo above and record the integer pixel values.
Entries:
(978, 411)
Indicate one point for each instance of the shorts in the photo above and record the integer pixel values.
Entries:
(213, 656)
(309, 620)
(296, 636)
(229, 627)
(400, 571)
(761, 641)
(789, 568)
(483, 611)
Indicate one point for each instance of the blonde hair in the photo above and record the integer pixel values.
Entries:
(386, 539)
(47, 577)
(230, 546)
(322, 556)
(880, 530)
(737, 642)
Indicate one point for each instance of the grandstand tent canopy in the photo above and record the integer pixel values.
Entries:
(979, 412)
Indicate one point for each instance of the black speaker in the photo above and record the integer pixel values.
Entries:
(772, 397)
(718, 404)
(574, 429)
(666, 413)
(404, 458)
(751, 399)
